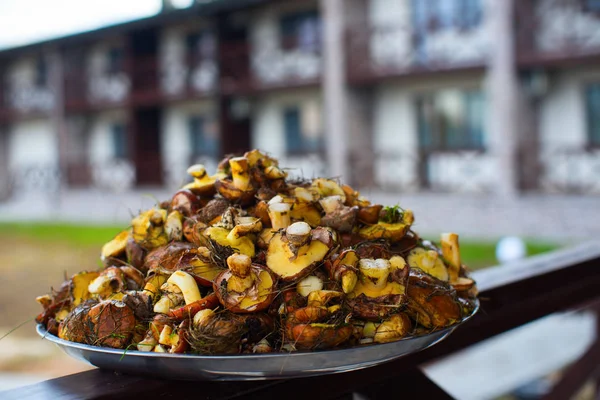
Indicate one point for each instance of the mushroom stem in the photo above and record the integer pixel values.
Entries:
(374, 272)
(451, 253)
(239, 264)
(274, 172)
(303, 195)
(331, 203)
(244, 226)
(186, 283)
(298, 234)
(197, 171)
(239, 173)
(242, 279)
(202, 317)
(174, 225)
(279, 213)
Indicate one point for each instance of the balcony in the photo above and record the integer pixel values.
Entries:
(570, 171)
(91, 86)
(26, 101)
(246, 68)
(395, 50)
(557, 32)
(191, 77)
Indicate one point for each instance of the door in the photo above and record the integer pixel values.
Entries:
(146, 124)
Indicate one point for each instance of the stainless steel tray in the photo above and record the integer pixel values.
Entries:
(248, 366)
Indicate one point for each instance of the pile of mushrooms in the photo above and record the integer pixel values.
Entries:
(248, 261)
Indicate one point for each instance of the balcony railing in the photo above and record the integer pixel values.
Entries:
(556, 31)
(570, 171)
(244, 68)
(470, 171)
(380, 51)
(190, 77)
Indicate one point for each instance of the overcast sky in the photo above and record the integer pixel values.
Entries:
(26, 21)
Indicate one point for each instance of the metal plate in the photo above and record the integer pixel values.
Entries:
(247, 366)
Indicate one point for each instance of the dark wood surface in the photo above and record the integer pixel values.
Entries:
(511, 296)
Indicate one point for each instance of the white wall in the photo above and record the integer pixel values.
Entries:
(270, 63)
(396, 138)
(268, 127)
(563, 134)
(107, 172)
(391, 41)
(32, 143)
(175, 140)
(562, 120)
(175, 72)
(103, 87)
(23, 94)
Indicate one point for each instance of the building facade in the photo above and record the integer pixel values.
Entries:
(476, 96)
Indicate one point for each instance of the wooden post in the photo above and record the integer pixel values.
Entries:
(503, 90)
(334, 87)
(4, 172)
(57, 84)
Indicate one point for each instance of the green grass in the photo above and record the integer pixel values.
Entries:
(477, 255)
(82, 235)
(474, 254)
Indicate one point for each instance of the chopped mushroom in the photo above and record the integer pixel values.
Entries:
(291, 261)
(391, 228)
(244, 287)
(247, 260)
(203, 185)
(239, 189)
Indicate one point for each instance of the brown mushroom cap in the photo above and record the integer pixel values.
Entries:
(319, 336)
(431, 302)
(258, 297)
(112, 323)
(288, 266)
(166, 258)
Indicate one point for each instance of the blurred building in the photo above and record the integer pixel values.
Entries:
(491, 96)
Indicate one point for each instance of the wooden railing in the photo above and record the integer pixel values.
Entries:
(511, 296)
(375, 52)
(556, 32)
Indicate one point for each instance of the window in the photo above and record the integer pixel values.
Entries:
(300, 137)
(430, 16)
(451, 120)
(433, 15)
(203, 138)
(591, 5)
(592, 100)
(41, 72)
(115, 60)
(201, 45)
(301, 31)
(119, 139)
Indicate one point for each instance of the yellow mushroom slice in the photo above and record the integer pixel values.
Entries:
(394, 328)
(291, 262)
(309, 284)
(116, 246)
(186, 283)
(174, 226)
(428, 261)
(203, 184)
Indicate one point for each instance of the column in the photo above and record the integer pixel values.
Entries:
(334, 87)
(503, 96)
(4, 173)
(58, 114)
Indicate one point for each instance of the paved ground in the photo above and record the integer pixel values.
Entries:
(557, 217)
(501, 364)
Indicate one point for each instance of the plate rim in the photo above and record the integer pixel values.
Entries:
(44, 334)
